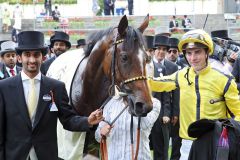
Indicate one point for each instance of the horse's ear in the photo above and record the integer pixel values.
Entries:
(145, 23)
(122, 26)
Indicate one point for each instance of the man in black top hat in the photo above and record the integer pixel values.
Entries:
(9, 59)
(174, 55)
(162, 67)
(81, 43)
(59, 43)
(31, 103)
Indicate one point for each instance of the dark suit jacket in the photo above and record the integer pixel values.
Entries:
(171, 24)
(45, 66)
(5, 72)
(165, 97)
(236, 72)
(18, 135)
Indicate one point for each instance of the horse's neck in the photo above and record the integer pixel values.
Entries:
(94, 86)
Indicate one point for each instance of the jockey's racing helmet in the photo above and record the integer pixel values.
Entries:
(196, 38)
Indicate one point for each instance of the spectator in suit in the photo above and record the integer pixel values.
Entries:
(130, 7)
(48, 7)
(160, 131)
(108, 7)
(59, 43)
(9, 59)
(28, 121)
(186, 23)
(56, 14)
(173, 24)
(174, 54)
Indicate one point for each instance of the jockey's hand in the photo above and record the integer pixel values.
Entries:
(174, 120)
(165, 119)
(105, 130)
(95, 117)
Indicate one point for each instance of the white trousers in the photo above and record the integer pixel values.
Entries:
(185, 149)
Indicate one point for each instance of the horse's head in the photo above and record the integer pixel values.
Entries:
(125, 60)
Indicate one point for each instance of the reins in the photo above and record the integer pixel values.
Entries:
(112, 92)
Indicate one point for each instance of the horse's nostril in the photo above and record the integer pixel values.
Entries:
(140, 110)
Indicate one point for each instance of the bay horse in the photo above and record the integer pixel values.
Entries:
(97, 77)
(112, 57)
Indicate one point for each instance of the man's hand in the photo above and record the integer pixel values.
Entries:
(105, 130)
(174, 120)
(165, 119)
(95, 117)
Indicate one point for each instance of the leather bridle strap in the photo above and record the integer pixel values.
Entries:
(135, 157)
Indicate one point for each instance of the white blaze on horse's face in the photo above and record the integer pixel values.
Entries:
(141, 54)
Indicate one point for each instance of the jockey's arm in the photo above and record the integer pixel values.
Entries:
(165, 83)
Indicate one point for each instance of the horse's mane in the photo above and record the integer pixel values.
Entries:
(131, 35)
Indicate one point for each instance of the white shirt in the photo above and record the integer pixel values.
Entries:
(9, 73)
(118, 141)
(26, 86)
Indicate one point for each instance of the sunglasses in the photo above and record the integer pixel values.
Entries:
(173, 50)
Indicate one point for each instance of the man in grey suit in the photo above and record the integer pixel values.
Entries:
(9, 59)
(31, 103)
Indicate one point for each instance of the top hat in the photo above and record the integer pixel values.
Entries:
(31, 40)
(200, 127)
(2, 42)
(220, 34)
(149, 41)
(60, 36)
(81, 42)
(173, 43)
(160, 40)
(8, 46)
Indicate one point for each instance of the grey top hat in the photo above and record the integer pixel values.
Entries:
(31, 40)
(7, 46)
(160, 40)
(60, 36)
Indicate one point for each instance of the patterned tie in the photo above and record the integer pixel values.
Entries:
(32, 98)
(12, 72)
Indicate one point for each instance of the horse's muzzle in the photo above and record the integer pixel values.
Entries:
(138, 108)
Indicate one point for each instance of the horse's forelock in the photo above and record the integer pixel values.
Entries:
(131, 37)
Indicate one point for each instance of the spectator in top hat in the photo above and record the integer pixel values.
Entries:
(150, 52)
(56, 14)
(28, 121)
(174, 54)
(0, 50)
(9, 59)
(59, 43)
(81, 43)
(173, 24)
(160, 131)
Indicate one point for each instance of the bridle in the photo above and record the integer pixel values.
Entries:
(112, 92)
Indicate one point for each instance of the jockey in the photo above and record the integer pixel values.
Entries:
(204, 92)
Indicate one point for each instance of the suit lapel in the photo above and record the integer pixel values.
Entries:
(20, 99)
(44, 89)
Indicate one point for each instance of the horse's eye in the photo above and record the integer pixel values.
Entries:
(148, 59)
(124, 57)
